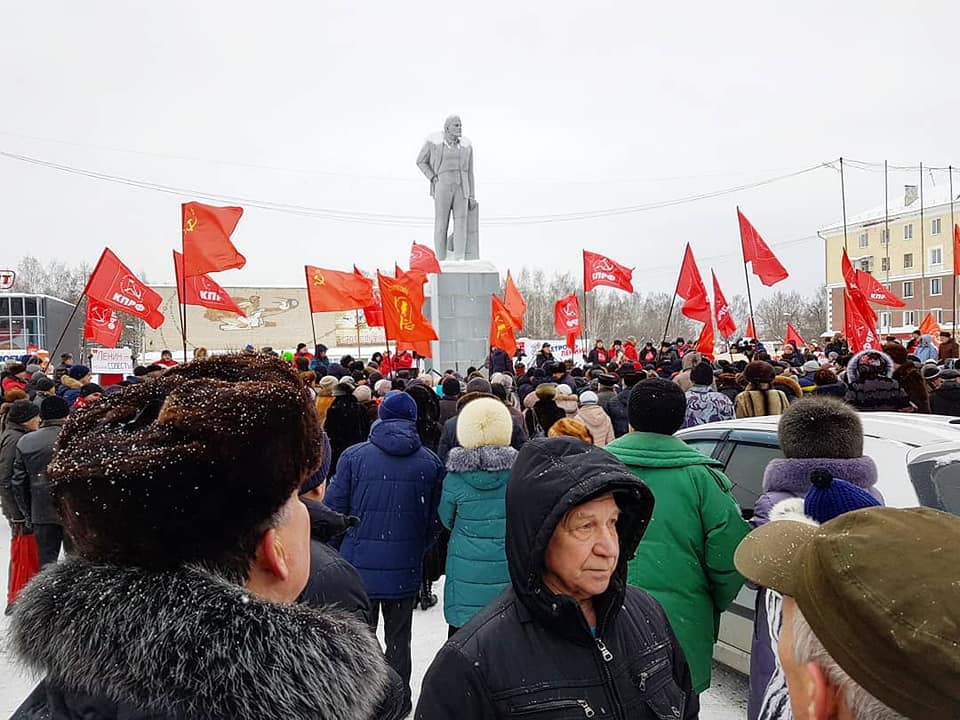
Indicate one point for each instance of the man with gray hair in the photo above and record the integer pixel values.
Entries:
(447, 162)
(871, 612)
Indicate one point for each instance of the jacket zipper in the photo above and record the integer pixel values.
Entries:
(555, 705)
(607, 657)
(650, 671)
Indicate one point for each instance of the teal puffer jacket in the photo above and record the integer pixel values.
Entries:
(472, 506)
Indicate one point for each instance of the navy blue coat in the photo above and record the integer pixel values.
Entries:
(393, 484)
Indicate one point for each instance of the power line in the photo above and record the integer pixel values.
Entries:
(400, 220)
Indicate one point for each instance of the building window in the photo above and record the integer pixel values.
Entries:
(937, 314)
(907, 261)
(864, 239)
(909, 318)
(936, 286)
(908, 231)
(885, 264)
(907, 289)
(935, 226)
(885, 318)
(936, 256)
(885, 236)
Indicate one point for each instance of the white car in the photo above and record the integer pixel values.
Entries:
(918, 463)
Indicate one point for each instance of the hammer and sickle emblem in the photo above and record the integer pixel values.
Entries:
(318, 280)
(190, 224)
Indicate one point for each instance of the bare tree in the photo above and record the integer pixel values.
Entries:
(57, 278)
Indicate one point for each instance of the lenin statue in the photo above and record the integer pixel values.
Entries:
(446, 159)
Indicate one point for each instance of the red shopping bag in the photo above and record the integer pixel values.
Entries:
(24, 563)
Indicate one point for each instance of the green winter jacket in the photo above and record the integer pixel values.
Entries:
(685, 559)
(473, 507)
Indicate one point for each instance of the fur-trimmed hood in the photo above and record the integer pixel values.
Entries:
(853, 367)
(489, 458)
(188, 643)
(791, 509)
(792, 475)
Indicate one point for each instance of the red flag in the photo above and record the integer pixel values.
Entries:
(860, 333)
(206, 238)
(403, 309)
(329, 290)
(750, 332)
(501, 327)
(424, 259)
(600, 270)
(793, 337)
(112, 284)
(202, 290)
(706, 342)
(690, 287)
(875, 291)
(725, 323)
(102, 324)
(765, 264)
(566, 318)
(956, 249)
(857, 296)
(514, 301)
(930, 327)
(373, 313)
(421, 347)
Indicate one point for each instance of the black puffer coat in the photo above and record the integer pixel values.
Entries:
(530, 651)
(945, 400)
(618, 410)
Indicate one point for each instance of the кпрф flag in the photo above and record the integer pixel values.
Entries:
(600, 270)
(102, 324)
(566, 318)
(764, 263)
(202, 290)
(424, 259)
(725, 323)
(112, 284)
(206, 238)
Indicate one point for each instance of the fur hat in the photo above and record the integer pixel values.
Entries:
(478, 384)
(326, 384)
(897, 352)
(568, 427)
(821, 427)
(382, 387)
(16, 368)
(78, 372)
(398, 406)
(759, 372)
(484, 422)
(363, 393)
(657, 405)
(22, 411)
(44, 384)
(54, 408)
(588, 397)
(342, 389)
(451, 387)
(546, 391)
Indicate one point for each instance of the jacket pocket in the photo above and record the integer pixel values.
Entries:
(652, 675)
(560, 709)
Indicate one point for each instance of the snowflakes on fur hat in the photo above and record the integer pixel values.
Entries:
(830, 497)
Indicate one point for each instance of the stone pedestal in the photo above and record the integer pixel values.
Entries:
(458, 305)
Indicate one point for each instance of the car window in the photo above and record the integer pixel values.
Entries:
(745, 470)
(703, 445)
(893, 482)
(937, 482)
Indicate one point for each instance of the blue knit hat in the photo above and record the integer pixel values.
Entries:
(829, 497)
(398, 405)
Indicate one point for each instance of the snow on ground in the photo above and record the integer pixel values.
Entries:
(726, 700)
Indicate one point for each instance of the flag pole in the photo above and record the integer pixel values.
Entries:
(923, 251)
(886, 224)
(843, 204)
(306, 274)
(583, 324)
(746, 276)
(182, 294)
(953, 324)
(673, 301)
(76, 305)
(356, 315)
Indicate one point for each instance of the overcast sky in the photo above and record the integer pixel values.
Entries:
(571, 106)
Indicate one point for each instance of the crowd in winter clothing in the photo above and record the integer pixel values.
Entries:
(588, 552)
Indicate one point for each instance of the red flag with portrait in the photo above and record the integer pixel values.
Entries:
(502, 325)
(112, 284)
(206, 238)
(402, 302)
(102, 324)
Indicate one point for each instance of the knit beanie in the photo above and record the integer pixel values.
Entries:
(363, 393)
(22, 411)
(479, 385)
(483, 422)
(325, 385)
(829, 497)
(589, 398)
(314, 481)
(45, 384)
(90, 389)
(398, 406)
(78, 372)
(821, 427)
(702, 374)
(451, 387)
(54, 408)
(657, 405)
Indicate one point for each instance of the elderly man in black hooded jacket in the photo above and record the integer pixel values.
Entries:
(569, 638)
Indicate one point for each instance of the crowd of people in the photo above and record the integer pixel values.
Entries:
(235, 528)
